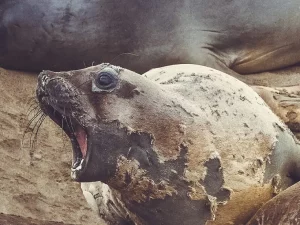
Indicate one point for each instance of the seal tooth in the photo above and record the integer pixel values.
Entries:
(79, 167)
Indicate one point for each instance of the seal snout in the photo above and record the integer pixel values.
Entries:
(56, 91)
(59, 100)
(43, 79)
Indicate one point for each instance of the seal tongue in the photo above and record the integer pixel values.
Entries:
(82, 140)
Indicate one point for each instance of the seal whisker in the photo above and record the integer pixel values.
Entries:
(106, 65)
(80, 95)
(67, 122)
(32, 109)
(71, 125)
(125, 53)
(32, 99)
(90, 77)
(62, 128)
(32, 104)
(34, 117)
(39, 115)
(38, 125)
(40, 112)
(35, 130)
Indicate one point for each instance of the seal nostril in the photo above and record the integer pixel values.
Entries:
(44, 78)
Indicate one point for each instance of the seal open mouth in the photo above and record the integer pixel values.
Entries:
(75, 131)
(69, 107)
(81, 142)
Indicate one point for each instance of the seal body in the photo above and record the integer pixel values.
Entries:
(282, 209)
(183, 144)
(237, 36)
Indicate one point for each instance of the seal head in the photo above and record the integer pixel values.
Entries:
(88, 107)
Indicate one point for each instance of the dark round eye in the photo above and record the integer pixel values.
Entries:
(106, 80)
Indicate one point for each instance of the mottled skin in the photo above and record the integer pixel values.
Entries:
(234, 36)
(183, 144)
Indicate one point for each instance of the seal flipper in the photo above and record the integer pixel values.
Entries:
(106, 203)
(285, 103)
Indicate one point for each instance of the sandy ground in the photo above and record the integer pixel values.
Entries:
(19, 220)
(35, 182)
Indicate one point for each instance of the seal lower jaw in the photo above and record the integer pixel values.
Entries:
(79, 143)
(77, 168)
(79, 140)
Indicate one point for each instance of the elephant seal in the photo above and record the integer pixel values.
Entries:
(234, 36)
(282, 209)
(182, 144)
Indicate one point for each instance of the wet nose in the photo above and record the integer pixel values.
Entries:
(52, 84)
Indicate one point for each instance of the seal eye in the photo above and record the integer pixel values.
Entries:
(105, 81)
